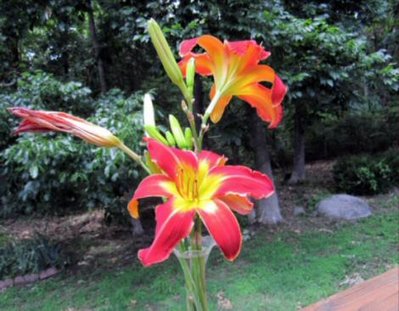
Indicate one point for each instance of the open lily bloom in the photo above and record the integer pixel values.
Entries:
(48, 121)
(198, 185)
(236, 71)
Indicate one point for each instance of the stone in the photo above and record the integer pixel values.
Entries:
(343, 207)
(6, 283)
(48, 273)
(299, 210)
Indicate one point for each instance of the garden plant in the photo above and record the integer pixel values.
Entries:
(199, 190)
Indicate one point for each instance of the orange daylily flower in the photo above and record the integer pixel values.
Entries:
(236, 71)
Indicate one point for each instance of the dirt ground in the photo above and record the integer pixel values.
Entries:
(90, 243)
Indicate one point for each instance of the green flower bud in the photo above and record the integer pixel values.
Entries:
(166, 56)
(177, 132)
(188, 135)
(171, 140)
(153, 132)
(190, 75)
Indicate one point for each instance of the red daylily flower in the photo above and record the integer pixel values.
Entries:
(51, 121)
(236, 71)
(197, 184)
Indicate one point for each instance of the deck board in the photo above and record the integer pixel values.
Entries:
(380, 293)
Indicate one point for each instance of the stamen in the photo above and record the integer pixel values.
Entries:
(188, 193)
(181, 182)
(196, 194)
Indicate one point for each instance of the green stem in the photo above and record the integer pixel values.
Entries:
(194, 271)
(207, 114)
(134, 156)
(191, 121)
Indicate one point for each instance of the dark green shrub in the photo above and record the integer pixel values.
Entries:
(358, 133)
(42, 90)
(367, 174)
(6, 123)
(392, 158)
(30, 256)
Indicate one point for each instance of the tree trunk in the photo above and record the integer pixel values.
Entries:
(267, 210)
(97, 49)
(298, 171)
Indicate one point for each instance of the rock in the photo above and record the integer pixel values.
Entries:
(343, 206)
(299, 210)
(48, 273)
(6, 283)
(30, 278)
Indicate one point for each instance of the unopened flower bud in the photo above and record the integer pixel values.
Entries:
(153, 132)
(148, 110)
(177, 131)
(170, 138)
(165, 54)
(188, 135)
(52, 121)
(190, 75)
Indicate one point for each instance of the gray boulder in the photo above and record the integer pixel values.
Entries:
(343, 206)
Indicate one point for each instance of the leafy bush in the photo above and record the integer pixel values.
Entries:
(359, 133)
(41, 90)
(5, 121)
(56, 173)
(30, 256)
(367, 174)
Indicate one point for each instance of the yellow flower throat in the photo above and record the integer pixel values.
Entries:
(188, 184)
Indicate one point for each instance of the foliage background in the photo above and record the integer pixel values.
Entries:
(94, 59)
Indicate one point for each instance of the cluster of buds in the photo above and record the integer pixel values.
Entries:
(175, 137)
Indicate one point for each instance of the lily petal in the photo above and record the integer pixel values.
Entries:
(172, 227)
(170, 160)
(260, 98)
(218, 111)
(251, 76)
(278, 91)
(212, 159)
(133, 208)
(243, 181)
(223, 226)
(244, 55)
(238, 203)
(155, 186)
(241, 48)
(203, 64)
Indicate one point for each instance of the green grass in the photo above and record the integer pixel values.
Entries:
(291, 271)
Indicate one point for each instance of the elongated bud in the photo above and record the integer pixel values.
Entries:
(190, 75)
(171, 140)
(177, 131)
(52, 121)
(153, 132)
(166, 56)
(148, 110)
(188, 135)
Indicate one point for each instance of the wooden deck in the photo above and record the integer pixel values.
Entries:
(377, 294)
